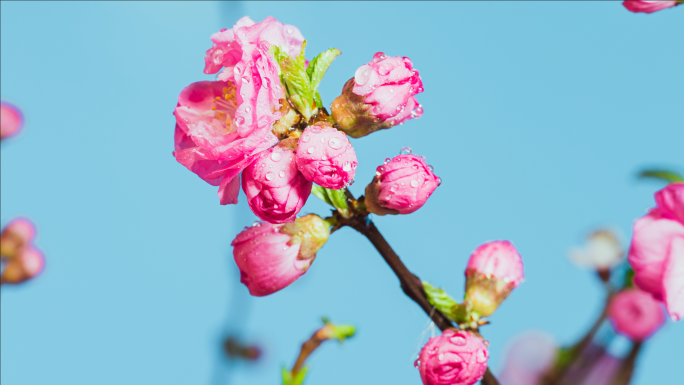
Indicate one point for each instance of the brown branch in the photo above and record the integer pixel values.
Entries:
(410, 283)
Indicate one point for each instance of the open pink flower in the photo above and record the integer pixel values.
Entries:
(270, 257)
(10, 120)
(453, 358)
(275, 188)
(670, 201)
(657, 257)
(326, 157)
(635, 314)
(401, 186)
(648, 6)
(380, 95)
(208, 141)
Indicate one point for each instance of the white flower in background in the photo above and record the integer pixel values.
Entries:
(601, 252)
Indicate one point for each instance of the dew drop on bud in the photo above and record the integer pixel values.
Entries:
(305, 138)
(416, 363)
(414, 183)
(255, 224)
(405, 151)
(481, 355)
(248, 109)
(217, 57)
(415, 167)
(311, 150)
(379, 56)
(239, 120)
(391, 90)
(382, 70)
(335, 143)
(281, 174)
(440, 356)
(346, 166)
(363, 74)
(394, 188)
(387, 160)
(432, 169)
(439, 181)
(322, 140)
(269, 175)
(458, 340)
(290, 30)
(276, 156)
(245, 79)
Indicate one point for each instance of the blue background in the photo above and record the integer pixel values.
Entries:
(537, 116)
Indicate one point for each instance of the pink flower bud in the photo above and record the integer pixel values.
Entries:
(28, 264)
(648, 6)
(657, 257)
(326, 157)
(270, 257)
(670, 201)
(493, 271)
(275, 188)
(401, 186)
(380, 95)
(17, 235)
(10, 120)
(635, 314)
(453, 358)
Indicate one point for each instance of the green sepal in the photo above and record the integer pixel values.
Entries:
(317, 69)
(295, 78)
(341, 332)
(335, 198)
(443, 302)
(663, 175)
(298, 379)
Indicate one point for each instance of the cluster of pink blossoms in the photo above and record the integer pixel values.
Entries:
(21, 260)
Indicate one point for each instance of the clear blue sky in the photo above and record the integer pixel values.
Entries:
(537, 116)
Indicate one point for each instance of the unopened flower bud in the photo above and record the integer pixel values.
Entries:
(17, 235)
(275, 188)
(380, 95)
(10, 120)
(647, 6)
(271, 257)
(326, 157)
(453, 358)
(27, 264)
(635, 314)
(493, 271)
(401, 186)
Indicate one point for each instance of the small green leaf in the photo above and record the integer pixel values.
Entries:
(629, 279)
(295, 78)
(335, 198)
(299, 377)
(664, 175)
(317, 68)
(439, 299)
(287, 377)
(321, 194)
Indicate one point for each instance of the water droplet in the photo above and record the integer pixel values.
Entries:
(245, 79)
(415, 167)
(440, 356)
(290, 30)
(458, 340)
(439, 181)
(405, 151)
(416, 363)
(311, 150)
(284, 247)
(346, 166)
(394, 188)
(382, 70)
(391, 90)
(335, 143)
(218, 56)
(414, 183)
(305, 138)
(432, 169)
(269, 175)
(239, 120)
(481, 355)
(248, 109)
(281, 174)
(387, 160)
(363, 74)
(379, 56)
(256, 224)
(276, 156)
(324, 157)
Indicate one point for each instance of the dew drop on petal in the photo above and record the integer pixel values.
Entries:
(379, 56)
(362, 74)
(391, 90)
(440, 356)
(394, 188)
(290, 30)
(481, 355)
(387, 160)
(239, 120)
(305, 138)
(415, 167)
(414, 183)
(269, 175)
(335, 143)
(416, 363)
(311, 150)
(256, 224)
(276, 156)
(346, 166)
(281, 174)
(432, 169)
(217, 57)
(248, 109)
(245, 79)
(458, 340)
(382, 70)
(405, 151)
(439, 181)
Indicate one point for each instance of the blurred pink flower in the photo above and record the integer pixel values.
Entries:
(17, 235)
(635, 314)
(401, 186)
(453, 358)
(380, 95)
(528, 356)
(22, 260)
(602, 251)
(648, 6)
(275, 188)
(326, 157)
(11, 120)
(657, 251)
(28, 264)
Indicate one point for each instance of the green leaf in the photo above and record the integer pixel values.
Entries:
(295, 78)
(335, 198)
(629, 279)
(298, 379)
(439, 299)
(317, 69)
(321, 194)
(664, 175)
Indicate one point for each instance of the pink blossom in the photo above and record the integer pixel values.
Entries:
(326, 157)
(648, 6)
(10, 120)
(17, 235)
(270, 257)
(401, 186)
(208, 141)
(657, 257)
(453, 358)
(528, 357)
(670, 201)
(635, 314)
(380, 95)
(498, 259)
(28, 264)
(275, 188)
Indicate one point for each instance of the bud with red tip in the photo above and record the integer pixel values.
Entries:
(380, 95)
(635, 314)
(493, 271)
(455, 358)
(271, 257)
